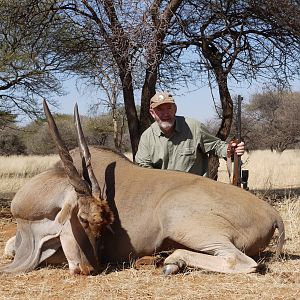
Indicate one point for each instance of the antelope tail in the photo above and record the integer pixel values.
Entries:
(280, 226)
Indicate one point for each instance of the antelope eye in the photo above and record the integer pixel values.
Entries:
(83, 220)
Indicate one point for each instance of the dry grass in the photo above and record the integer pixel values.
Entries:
(150, 284)
(24, 166)
(269, 170)
(16, 170)
(289, 209)
(281, 281)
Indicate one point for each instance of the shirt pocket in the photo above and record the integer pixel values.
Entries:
(185, 159)
(187, 151)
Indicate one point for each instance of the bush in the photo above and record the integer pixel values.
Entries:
(97, 131)
(38, 140)
(11, 142)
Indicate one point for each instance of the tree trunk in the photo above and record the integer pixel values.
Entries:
(147, 92)
(131, 113)
(215, 59)
(213, 166)
(227, 115)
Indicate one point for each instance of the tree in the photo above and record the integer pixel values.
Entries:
(10, 135)
(126, 36)
(28, 65)
(233, 39)
(37, 138)
(239, 40)
(108, 82)
(6, 119)
(273, 120)
(97, 130)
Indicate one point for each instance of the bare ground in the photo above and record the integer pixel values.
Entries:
(281, 279)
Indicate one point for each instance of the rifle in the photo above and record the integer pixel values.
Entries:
(240, 177)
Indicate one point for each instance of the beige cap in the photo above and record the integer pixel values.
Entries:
(161, 98)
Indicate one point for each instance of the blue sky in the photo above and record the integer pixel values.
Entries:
(195, 104)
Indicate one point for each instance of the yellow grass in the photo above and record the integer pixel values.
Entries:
(269, 170)
(16, 170)
(289, 210)
(25, 166)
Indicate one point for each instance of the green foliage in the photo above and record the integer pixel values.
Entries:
(99, 130)
(28, 62)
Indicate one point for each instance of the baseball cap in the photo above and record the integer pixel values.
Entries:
(161, 98)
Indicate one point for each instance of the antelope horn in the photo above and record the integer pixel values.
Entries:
(75, 179)
(85, 153)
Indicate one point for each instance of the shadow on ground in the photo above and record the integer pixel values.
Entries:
(277, 194)
(5, 199)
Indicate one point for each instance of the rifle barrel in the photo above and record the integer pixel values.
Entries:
(239, 118)
(237, 159)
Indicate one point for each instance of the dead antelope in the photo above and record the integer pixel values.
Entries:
(210, 225)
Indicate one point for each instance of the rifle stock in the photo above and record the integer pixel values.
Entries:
(236, 170)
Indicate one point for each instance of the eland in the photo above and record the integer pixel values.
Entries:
(203, 223)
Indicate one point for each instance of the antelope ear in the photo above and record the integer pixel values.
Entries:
(106, 214)
(65, 213)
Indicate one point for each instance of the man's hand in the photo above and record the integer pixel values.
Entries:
(239, 149)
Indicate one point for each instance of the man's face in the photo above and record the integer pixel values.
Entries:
(164, 115)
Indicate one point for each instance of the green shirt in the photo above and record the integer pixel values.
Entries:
(186, 150)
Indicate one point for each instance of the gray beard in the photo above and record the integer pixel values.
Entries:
(166, 125)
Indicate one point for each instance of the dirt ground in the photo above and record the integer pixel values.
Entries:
(281, 279)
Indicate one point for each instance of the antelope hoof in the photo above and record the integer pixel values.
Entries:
(174, 268)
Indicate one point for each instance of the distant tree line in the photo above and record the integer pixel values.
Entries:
(34, 138)
(270, 120)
